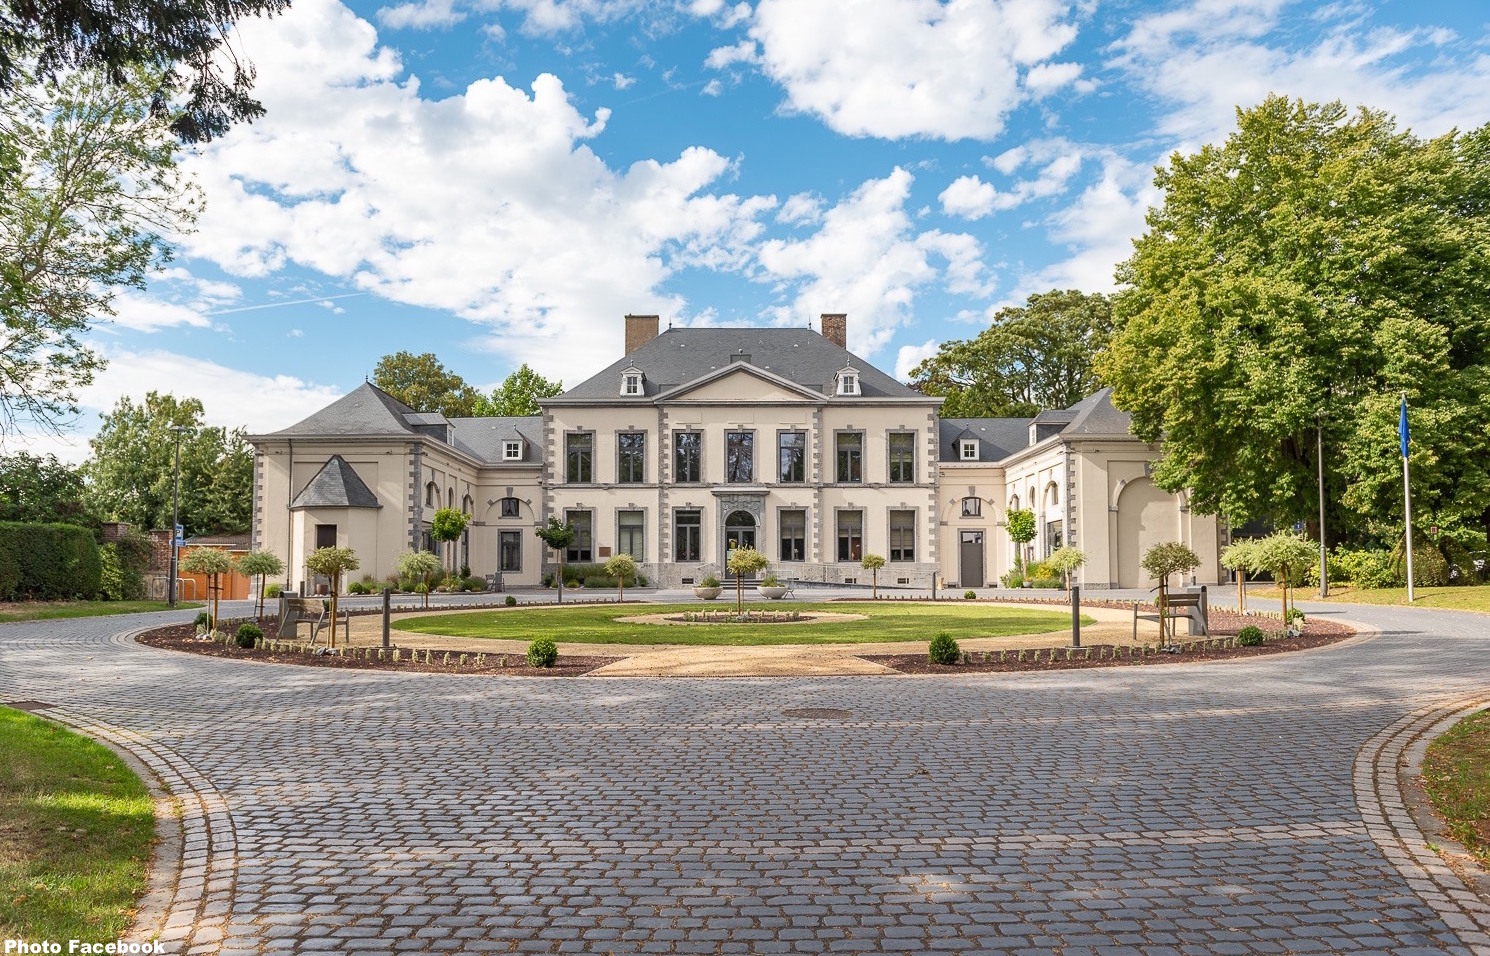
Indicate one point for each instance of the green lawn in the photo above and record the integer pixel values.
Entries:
(43, 610)
(886, 622)
(1456, 774)
(1469, 598)
(76, 827)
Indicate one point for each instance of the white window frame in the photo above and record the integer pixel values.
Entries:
(848, 383)
(631, 384)
(968, 449)
(512, 450)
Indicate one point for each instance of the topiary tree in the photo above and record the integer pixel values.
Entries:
(1020, 523)
(448, 524)
(214, 564)
(261, 564)
(418, 564)
(333, 563)
(1160, 562)
(621, 567)
(743, 561)
(557, 535)
(1241, 558)
(872, 563)
(1286, 555)
(1066, 560)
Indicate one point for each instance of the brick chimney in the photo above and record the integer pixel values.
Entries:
(640, 329)
(835, 328)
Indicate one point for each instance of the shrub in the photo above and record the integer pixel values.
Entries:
(1294, 614)
(202, 619)
(943, 650)
(709, 581)
(1048, 582)
(510, 601)
(357, 587)
(274, 591)
(48, 561)
(548, 580)
(248, 635)
(600, 581)
(1429, 569)
(1249, 636)
(575, 573)
(472, 583)
(1040, 569)
(969, 594)
(770, 581)
(542, 653)
(1014, 579)
(122, 566)
(1364, 569)
(465, 570)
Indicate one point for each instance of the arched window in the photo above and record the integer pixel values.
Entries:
(450, 498)
(465, 505)
(1053, 494)
(430, 491)
(1014, 503)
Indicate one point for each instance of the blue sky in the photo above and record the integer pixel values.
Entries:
(500, 181)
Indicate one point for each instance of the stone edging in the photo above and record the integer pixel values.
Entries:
(194, 866)
(1382, 770)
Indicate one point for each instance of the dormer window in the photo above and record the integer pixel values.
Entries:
(967, 449)
(848, 382)
(631, 382)
(512, 450)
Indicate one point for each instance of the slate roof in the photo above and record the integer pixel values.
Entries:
(999, 438)
(336, 485)
(483, 437)
(365, 410)
(678, 356)
(1096, 415)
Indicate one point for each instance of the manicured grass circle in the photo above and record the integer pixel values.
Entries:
(884, 622)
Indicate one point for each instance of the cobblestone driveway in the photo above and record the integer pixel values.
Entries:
(1176, 809)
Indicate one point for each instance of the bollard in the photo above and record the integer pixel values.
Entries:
(387, 609)
(1075, 615)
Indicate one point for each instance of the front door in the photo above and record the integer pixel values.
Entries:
(739, 532)
(972, 560)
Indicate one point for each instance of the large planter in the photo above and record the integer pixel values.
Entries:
(707, 594)
(774, 593)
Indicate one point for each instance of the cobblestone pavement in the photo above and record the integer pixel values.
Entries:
(1165, 810)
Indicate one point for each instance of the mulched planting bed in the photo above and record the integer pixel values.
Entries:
(182, 637)
(1224, 626)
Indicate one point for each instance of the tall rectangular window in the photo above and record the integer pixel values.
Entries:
(688, 457)
(687, 526)
(850, 535)
(903, 456)
(582, 548)
(579, 457)
(739, 457)
(630, 532)
(793, 535)
(631, 454)
(325, 536)
(850, 457)
(791, 457)
(902, 536)
(510, 550)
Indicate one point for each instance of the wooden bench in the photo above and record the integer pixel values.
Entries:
(1191, 606)
(294, 611)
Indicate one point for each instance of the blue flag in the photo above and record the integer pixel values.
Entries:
(1402, 427)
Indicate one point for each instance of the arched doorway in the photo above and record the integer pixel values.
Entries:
(1146, 515)
(739, 531)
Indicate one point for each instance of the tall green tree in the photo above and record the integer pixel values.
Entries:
(518, 394)
(41, 488)
(88, 191)
(1303, 273)
(1034, 356)
(424, 384)
(130, 473)
(203, 84)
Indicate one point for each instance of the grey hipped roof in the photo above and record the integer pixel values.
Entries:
(365, 410)
(336, 485)
(483, 437)
(998, 438)
(1096, 415)
(678, 356)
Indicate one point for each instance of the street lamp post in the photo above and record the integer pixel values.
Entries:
(1324, 570)
(175, 511)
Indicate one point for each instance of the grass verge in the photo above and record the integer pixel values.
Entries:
(1456, 775)
(46, 610)
(885, 622)
(76, 828)
(1468, 598)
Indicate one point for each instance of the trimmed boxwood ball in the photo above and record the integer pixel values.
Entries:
(510, 601)
(969, 594)
(248, 635)
(1249, 636)
(542, 653)
(943, 650)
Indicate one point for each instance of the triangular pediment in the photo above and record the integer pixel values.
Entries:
(742, 382)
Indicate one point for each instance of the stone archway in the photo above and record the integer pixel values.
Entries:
(1146, 516)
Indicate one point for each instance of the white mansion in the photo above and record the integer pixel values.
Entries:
(698, 440)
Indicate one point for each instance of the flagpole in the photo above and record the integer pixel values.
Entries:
(1407, 496)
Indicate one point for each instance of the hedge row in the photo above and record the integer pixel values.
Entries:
(48, 561)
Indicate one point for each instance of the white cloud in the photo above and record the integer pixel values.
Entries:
(420, 15)
(910, 356)
(558, 16)
(621, 81)
(724, 14)
(142, 313)
(746, 51)
(487, 204)
(899, 68)
(972, 198)
(712, 88)
(801, 208)
(1046, 78)
(968, 197)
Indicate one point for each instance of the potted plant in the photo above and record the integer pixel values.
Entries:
(771, 587)
(708, 589)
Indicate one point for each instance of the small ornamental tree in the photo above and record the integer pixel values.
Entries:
(1066, 560)
(621, 567)
(1160, 562)
(872, 563)
(557, 535)
(1020, 524)
(1241, 557)
(1287, 556)
(333, 563)
(743, 561)
(214, 564)
(448, 525)
(418, 564)
(261, 564)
